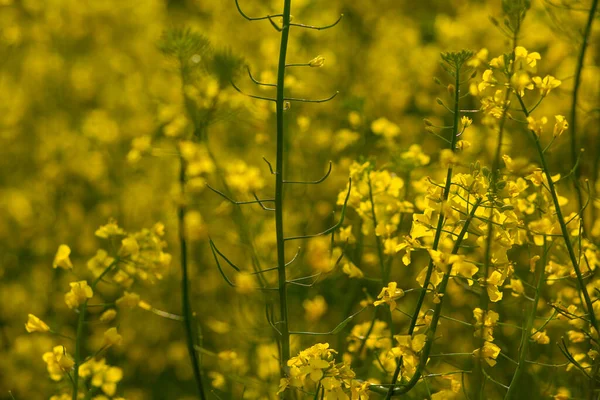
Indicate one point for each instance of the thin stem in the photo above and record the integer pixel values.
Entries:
(526, 334)
(283, 325)
(573, 115)
(80, 327)
(425, 353)
(561, 222)
(185, 294)
(438, 232)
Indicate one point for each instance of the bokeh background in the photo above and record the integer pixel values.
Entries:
(91, 113)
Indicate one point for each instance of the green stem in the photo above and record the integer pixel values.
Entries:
(283, 325)
(573, 114)
(563, 225)
(438, 231)
(526, 334)
(81, 325)
(425, 353)
(185, 289)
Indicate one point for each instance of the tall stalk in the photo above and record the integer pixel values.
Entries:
(573, 114)
(187, 312)
(438, 232)
(283, 327)
(526, 334)
(561, 221)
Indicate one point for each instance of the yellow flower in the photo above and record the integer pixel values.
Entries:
(352, 270)
(547, 84)
(492, 284)
(447, 158)
(80, 292)
(110, 229)
(108, 315)
(112, 338)
(539, 337)
(61, 259)
(485, 322)
(244, 283)
(488, 80)
(466, 122)
(317, 62)
(517, 287)
(385, 128)
(128, 300)
(389, 295)
(129, 247)
(58, 362)
(315, 308)
(536, 125)
(34, 324)
(521, 81)
(489, 352)
(525, 59)
(560, 126)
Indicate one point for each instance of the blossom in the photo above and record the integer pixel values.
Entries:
(34, 324)
(128, 300)
(536, 125)
(389, 295)
(466, 122)
(547, 84)
(539, 336)
(521, 81)
(61, 259)
(108, 315)
(110, 229)
(129, 247)
(560, 126)
(491, 284)
(489, 352)
(315, 308)
(58, 362)
(80, 292)
(317, 62)
(485, 322)
(526, 60)
(112, 338)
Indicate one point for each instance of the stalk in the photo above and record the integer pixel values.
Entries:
(283, 327)
(562, 223)
(438, 231)
(573, 115)
(80, 327)
(394, 390)
(185, 290)
(524, 346)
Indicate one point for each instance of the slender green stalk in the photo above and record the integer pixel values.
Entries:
(526, 334)
(438, 231)
(80, 327)
(484, 300)
(384, 271)
(187, 312)
(573, 115)
(425, 353)
(563, 225)
(283, 323)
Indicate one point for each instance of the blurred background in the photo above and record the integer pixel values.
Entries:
(91, 113)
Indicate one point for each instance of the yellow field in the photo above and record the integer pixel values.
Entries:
(299, 199)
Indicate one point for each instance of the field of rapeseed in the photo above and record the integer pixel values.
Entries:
(299, 199)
